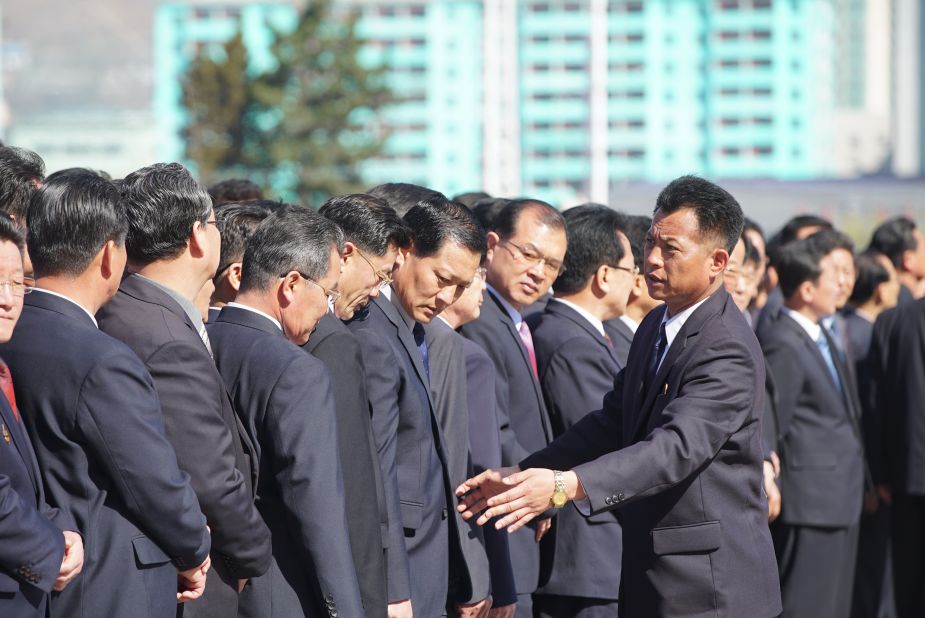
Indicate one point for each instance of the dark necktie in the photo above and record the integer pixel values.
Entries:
(420, 340)
(6, 383)
(657, 352)
(825, 344)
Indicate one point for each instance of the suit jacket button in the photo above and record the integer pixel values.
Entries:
(608, 500)
(620, 496)
(443, 514)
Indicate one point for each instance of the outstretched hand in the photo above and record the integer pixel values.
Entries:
(514, 496)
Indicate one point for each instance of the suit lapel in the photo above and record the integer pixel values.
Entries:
(19, 437)
(406, 339)
(505, 319)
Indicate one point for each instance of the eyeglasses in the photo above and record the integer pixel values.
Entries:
(333, 295)
(481, 272)
(632, 271)
(384, 279)
(18, 288)
(533, 258)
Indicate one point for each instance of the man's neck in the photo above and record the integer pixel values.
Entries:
(591, 305)
(909, 280)
(803, 309)
(173, 275)
(260, 302)
(870, 310)
(79, 290)
(676, 307)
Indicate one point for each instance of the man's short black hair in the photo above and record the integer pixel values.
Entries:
(402, 196)
(368, 222)
(21, 171)
(236, 222)
(592, 242)
(162, 202)
(435, 221)
(798, 261)
(234, 190)
(70, 219)
(487, 209)
(469, 198)
(293, 238)
(893, 238)
(10, 232)
(718, 214)
(636, 229)
(870, 275)
(68, 171)
(505, 222)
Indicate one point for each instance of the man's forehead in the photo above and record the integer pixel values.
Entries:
(681, 223)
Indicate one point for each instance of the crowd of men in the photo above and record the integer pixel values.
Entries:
(220, 405)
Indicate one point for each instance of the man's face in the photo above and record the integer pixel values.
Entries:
(623, 278)
(889, 290)
(758, 242)
(914, 261)
(11, 276)
(310, 302)
(523, 267)
(829, 288)
(735, 278)
(362, 276)
(468, 306)
(214, 244)
(680, 265)
(844, 264)
(426, 286)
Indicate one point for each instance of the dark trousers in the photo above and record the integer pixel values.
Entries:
(909, 555)
(559, 606)
(816, 569)
(873, 583)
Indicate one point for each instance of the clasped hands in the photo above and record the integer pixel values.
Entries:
(516, 496)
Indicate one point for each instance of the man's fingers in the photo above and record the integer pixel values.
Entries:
(510, 495)
(524, 517)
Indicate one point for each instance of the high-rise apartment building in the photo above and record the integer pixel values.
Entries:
(568, 99)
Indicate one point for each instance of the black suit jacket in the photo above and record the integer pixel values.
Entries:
(96, 425)
(284, 399)
(523, 420)
(211, 444)
(367, 520)
(31, 543)
(897, 364)
(689, 474)
(414, 463)
(577, 368)
(822, 463)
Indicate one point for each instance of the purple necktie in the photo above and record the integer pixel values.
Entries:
(527, 340)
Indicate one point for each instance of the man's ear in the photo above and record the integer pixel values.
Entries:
(234, 275)
(719, 259)
(602, 277)
(287, 289)
(493, 240)
(107, 258)
(198, 241)
(806, 292)
(350, 250)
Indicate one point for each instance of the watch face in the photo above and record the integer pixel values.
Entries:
(559, 499)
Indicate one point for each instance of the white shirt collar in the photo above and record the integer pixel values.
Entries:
(387, 292)
(70, 300)
(258, 312)
(595, 322)
(812, 328)
(630, 322)
(674, 324)
(513, 313)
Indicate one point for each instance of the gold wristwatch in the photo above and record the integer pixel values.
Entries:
(558, 495)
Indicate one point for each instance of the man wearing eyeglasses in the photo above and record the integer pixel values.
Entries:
(284, 396)
(373, 233)
(577, 365)
(173, 248)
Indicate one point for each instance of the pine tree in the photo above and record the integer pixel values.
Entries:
(217, 97)
(316, 110)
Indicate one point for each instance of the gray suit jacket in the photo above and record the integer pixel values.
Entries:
(367, 520)
(284, 398)
(95, 421)
(688, 477)
(448, 389)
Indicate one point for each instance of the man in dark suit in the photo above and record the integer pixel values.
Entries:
(373, 232)
(173, 249)
(469, 365)
(428, 276)
(639, 304)
(284, 398)
(818, 417)
(897, 365)
(39, 550)
(235, 222)
(677, 446)
(525, 251)
(904, 245)
(577, 365)
(94, 418)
